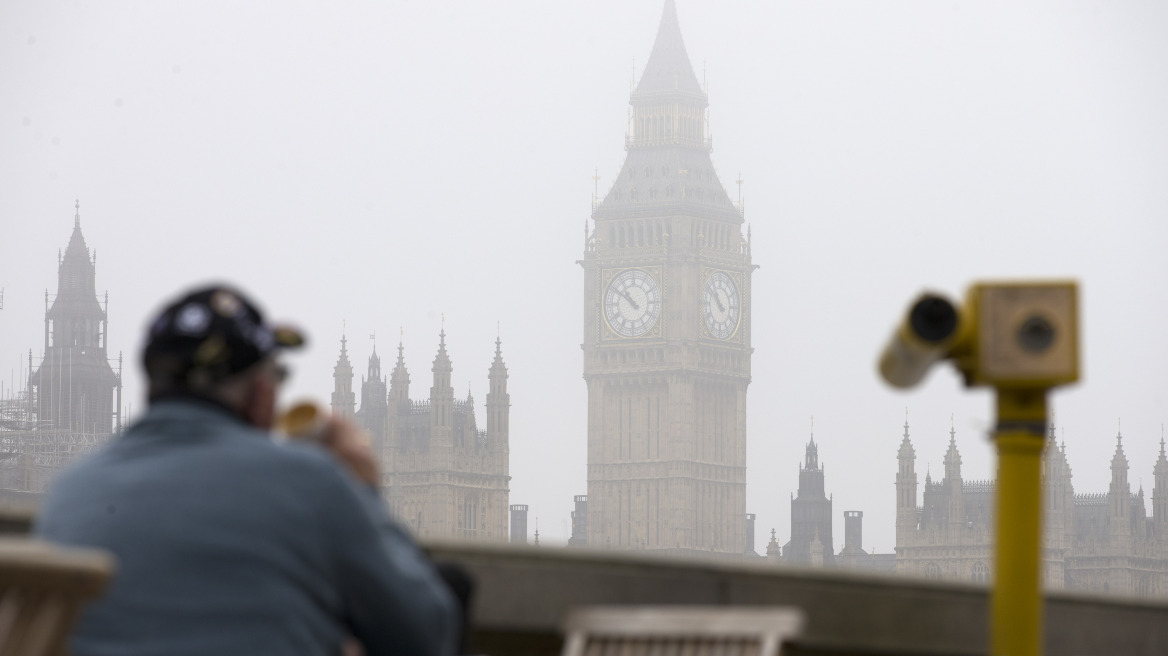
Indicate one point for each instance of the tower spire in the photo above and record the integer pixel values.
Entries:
(952, 456)
(669, 68)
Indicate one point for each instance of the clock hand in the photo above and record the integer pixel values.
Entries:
(718, 300)
(636, 306)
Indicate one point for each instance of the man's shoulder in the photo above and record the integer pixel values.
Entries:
(185, 440)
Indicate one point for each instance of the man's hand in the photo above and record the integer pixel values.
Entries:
(351, 446)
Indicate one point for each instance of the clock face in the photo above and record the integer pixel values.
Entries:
(720, 305)
(632, 303)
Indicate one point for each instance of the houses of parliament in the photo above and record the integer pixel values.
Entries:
(1099, 542)
(441, 475)
(666, 361)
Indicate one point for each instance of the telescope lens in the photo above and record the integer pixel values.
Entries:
(1036, 334)
(933, 318)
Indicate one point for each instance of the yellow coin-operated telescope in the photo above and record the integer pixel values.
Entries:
(1022, 339)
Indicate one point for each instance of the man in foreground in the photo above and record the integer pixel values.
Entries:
(227, 541)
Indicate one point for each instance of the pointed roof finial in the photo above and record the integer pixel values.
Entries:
(669, 68)
(77, 213)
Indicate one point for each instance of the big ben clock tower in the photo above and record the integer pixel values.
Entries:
(667, 330)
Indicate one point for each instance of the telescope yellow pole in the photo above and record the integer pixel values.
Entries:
(1017, 594)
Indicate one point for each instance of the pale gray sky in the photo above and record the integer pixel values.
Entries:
(383, 163)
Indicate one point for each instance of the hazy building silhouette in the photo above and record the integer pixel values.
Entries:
(73, 399)
(442, 476)
(75, 385)
(667, 329)
(1098, 542)
(810, 514)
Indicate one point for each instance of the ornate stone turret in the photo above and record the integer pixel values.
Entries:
(1160, 494)
(442, 406)
(399, 381)
(906, 488)
(374, 412)
(75, 384)
(773, 551)
(498, 402)
(953, 482)
(1119, 500)
(344, 401)
(1059, 502)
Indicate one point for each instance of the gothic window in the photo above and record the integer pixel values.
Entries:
(932, 571)
(633, 194)
(652, 193)
(980, 573)
(664, 171)
(648, 172)
(669, 192)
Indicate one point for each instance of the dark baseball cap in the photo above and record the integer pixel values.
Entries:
(209, 335)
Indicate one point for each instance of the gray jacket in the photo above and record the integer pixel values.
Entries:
(231, 543)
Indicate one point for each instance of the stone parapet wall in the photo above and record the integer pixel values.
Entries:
(524, 593)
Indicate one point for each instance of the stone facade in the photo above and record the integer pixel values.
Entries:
(442, 476)
(1092, 542)
(667, 330)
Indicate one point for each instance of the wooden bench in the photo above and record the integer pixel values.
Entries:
(42, 589)
(680, 630)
